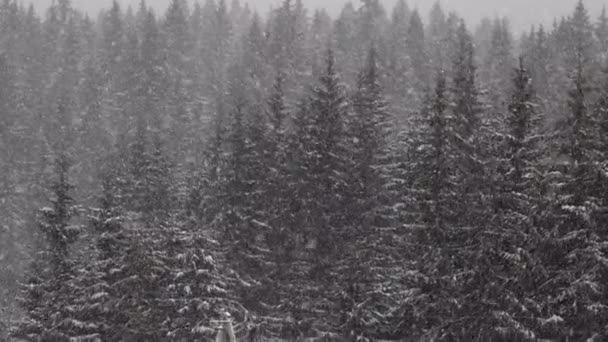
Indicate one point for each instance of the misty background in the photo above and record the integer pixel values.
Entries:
(385, 174)
(522, 13)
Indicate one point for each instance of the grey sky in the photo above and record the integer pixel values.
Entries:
(522, 13)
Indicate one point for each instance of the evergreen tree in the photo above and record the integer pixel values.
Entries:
(467, 116)
(328, 111)
(437, 37)
(113, 41)
(14, 142)
(369, 130)
(398, 61)
(176, 31)
(366, 266)
(46, 295)
(452, 267)
(319, 37)
(539, 61)
(601, 35)
(498, 64)
(514, 269)
(571, 242)
(287, 35)
(345, 36)
(416, 47)
(319, 178)
(93, 134)
(579, 43)
(424, 199)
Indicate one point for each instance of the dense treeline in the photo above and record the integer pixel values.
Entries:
(369, 176)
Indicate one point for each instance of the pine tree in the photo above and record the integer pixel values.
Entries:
(200, 288)
(46, 295)
(344, 36)
(217, 50)
(571, 242)
(278, 218)
(367, 267)
(145, 142)
(452, 266)
(93, 134)
(319, 37)
(287, 33)
(601, 35)
(539, 60)
(437, 36)
(328, 110)
(416, 47)
(318, 173)
(14, 154)
(514, 269)
(400, 23)
(95, 299)
(467, 116)
(240, 191)
(431, 149)
(176, 31)
(369, 131)
(113, 41)
(425, 193)
(499, 62)
(398, 61)
(600, 120)
(579, 42)
(372, 17)
(149, 176)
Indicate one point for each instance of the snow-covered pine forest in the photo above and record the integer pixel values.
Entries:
(385, 174)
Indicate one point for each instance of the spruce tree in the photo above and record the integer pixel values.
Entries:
(426, 185)
(514, 268)
(498, 64)
(279, 215)
(399, 65)
(466, 111)
(366, 274)
(571, 241)
(318, 172)
(416, 47)
(601, 35)
(113, 41)
(452, 267)
(437, 36)
(46, 296)
(14, 205)
(344, 36)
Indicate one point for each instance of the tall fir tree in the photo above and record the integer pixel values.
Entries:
(416, 47)
(514, 268)
(571, 243)
(499, 62)
(367, 270)
(46, 296)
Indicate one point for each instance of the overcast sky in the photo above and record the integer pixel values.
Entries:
(522, 13)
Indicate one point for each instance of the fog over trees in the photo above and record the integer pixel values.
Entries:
(382, 174)
(522, 13)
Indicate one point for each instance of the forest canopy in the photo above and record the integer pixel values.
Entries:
(385, 174)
